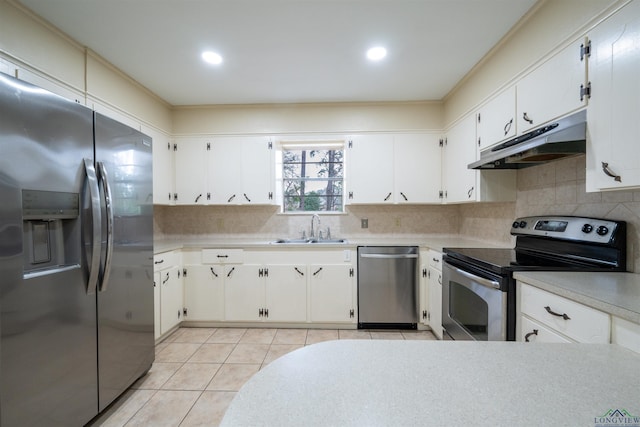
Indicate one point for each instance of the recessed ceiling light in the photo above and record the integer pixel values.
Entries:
(376, 53)
(211, 57)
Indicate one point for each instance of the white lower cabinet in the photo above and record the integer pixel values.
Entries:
(168, 292)
(532, 331)
(286, 293)
(203, 292)
(331, 293)
(435, 292)
(256, 285)
(243, 293)
(171, 298)
(570, 320)
(625, 333)
(258, 293)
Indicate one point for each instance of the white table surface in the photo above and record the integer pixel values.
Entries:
(437, 383)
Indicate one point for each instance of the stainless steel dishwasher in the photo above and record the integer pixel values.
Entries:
(388, 287)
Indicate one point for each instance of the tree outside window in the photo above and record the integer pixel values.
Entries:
(312, 179)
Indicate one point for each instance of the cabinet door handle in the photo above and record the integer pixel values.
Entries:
(404, 197)
(246, 197)
(261, 312)
(230, 271)
(440, 279)
(526, 337)
(233, 196)
(526, 118)
(317, 271)
(387, 198)
(198, 198)
(470, 192)
(166, 279)
(266, 312)
(609, 172)
(299, 272)
(213, 272)
(553, 313)
(507, 127)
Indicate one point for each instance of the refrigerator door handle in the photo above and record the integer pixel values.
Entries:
(94, 194)
(104, 179)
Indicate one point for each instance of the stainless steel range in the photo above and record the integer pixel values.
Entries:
(478, 290)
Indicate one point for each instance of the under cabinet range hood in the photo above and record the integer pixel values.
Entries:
(563, 138)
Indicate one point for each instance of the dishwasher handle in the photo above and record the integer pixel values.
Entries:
(389, 256)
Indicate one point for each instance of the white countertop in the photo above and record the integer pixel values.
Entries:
(432, 242)
(412, 383)
(615, 293)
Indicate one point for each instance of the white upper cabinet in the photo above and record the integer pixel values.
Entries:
(386, 168)
(497, 119)
(369, 172)
(190, 158)
(553, 89)
(241, 171)
(162, 166)
(417, 168)
(613, 136)
(224, 171)
(459, 182)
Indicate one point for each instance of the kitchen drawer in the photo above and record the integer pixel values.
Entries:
(576, 321)
(539, 333)
(166, 260)
(435, 259)
(222, 256)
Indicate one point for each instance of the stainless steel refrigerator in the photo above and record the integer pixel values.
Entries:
(76, 249)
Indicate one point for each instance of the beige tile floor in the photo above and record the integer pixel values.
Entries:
(197, 372)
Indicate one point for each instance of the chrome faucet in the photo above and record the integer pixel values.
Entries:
(312, 233)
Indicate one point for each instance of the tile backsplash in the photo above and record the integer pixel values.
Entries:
(556, 188)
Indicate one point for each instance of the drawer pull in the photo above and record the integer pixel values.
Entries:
(553, 313)
(526, 337)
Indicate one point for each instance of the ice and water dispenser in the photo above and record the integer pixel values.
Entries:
(50, 222)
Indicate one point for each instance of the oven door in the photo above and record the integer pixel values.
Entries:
(473, 305)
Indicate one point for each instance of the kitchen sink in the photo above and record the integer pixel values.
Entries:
(310, 241)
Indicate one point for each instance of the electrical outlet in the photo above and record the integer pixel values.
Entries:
(364, 223)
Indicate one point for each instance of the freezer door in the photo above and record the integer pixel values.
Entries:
(125, 289)
(48, 352)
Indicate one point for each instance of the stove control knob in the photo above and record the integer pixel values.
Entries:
(587, 228)
(522, 224)
(602, 230)
(515, 224)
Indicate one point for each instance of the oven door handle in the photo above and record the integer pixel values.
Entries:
(480, 280)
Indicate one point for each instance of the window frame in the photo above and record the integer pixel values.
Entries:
(311, 145)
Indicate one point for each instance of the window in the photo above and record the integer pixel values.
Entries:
(312, 176)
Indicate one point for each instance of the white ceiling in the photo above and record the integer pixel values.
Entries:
(288, 50)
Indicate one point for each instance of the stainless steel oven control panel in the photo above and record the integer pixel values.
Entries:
(566, 227)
